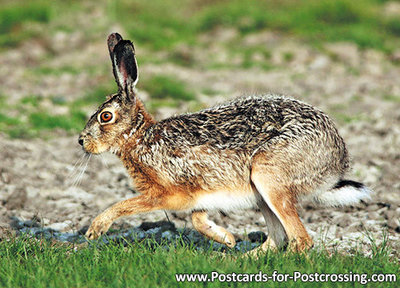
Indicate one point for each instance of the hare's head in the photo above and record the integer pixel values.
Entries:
(117, 116)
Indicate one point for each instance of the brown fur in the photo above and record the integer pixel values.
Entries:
(263, 151)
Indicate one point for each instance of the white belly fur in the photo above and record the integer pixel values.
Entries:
(226, 201)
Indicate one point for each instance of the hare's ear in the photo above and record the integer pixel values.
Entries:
(124, 63)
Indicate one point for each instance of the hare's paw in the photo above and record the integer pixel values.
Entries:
(301, 244)
(99, 226)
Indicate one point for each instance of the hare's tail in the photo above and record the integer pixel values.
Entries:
(345, 192)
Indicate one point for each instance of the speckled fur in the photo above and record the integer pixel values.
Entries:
(264, 150)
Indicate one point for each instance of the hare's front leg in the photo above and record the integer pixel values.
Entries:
(102, 222)
(208, 228)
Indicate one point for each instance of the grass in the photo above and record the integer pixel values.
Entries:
(27, 262)
(73, 121)
(44, 70)
(41, 124)
(159, 24)
(391, 98)
(36, 121)
(33, 120)
(164, 87)
(163, 24)
(96, 95)
(15, 17)
(317, 21)
(165, 91)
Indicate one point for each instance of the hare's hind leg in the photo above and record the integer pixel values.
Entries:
(276, 233)
(282, 202)
(135, 205)
(208, 228)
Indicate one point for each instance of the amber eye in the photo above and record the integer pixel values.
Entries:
(106, 116)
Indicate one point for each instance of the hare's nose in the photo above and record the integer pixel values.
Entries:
(80, 141)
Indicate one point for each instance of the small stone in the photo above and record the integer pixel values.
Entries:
(354, 227)
(389, 214)
(373, 215)
(17, 199)
(139, 236)
(245, 246)
(61, 226)
(344, 221)
(372, 207)
(393, 223)
(168, 235)
(44, 233)
(4, 176)
(154, 233)
(154, 230)
(320, 62)
(16, 223)
(5, 231)
(31, 223)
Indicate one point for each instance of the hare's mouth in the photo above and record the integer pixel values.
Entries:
(92, 148)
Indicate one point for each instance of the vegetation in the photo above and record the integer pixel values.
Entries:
(162, 24)
(168, 31)
(15, 17)
(26, 262)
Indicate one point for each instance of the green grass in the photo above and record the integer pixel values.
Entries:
(15, 17)
(11, 125)
(391, 98)
(96, 95)
(32, 100)
(165, 91)
(73, 121)
(159, 24)
(26, 262)
(316, 21)
(164, 87)
(34, 120)
(163, 24)
(41, 124)
(45, 70)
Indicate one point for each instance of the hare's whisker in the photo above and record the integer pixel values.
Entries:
(104, 160)
(74, 170)
(86, 158)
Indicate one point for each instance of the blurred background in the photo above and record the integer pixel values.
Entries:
(342, 56)
(54, 64)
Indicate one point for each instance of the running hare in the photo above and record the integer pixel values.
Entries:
(259, 151)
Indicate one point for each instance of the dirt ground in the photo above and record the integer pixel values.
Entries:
(359, 89)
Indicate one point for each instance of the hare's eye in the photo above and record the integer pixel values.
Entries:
(106, 116)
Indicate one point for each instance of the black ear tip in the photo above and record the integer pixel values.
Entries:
(113, 40)
(124, 46)
(114, 36)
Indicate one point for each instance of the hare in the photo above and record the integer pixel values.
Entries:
(259, 151)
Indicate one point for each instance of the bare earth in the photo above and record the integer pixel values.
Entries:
(359, 89)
